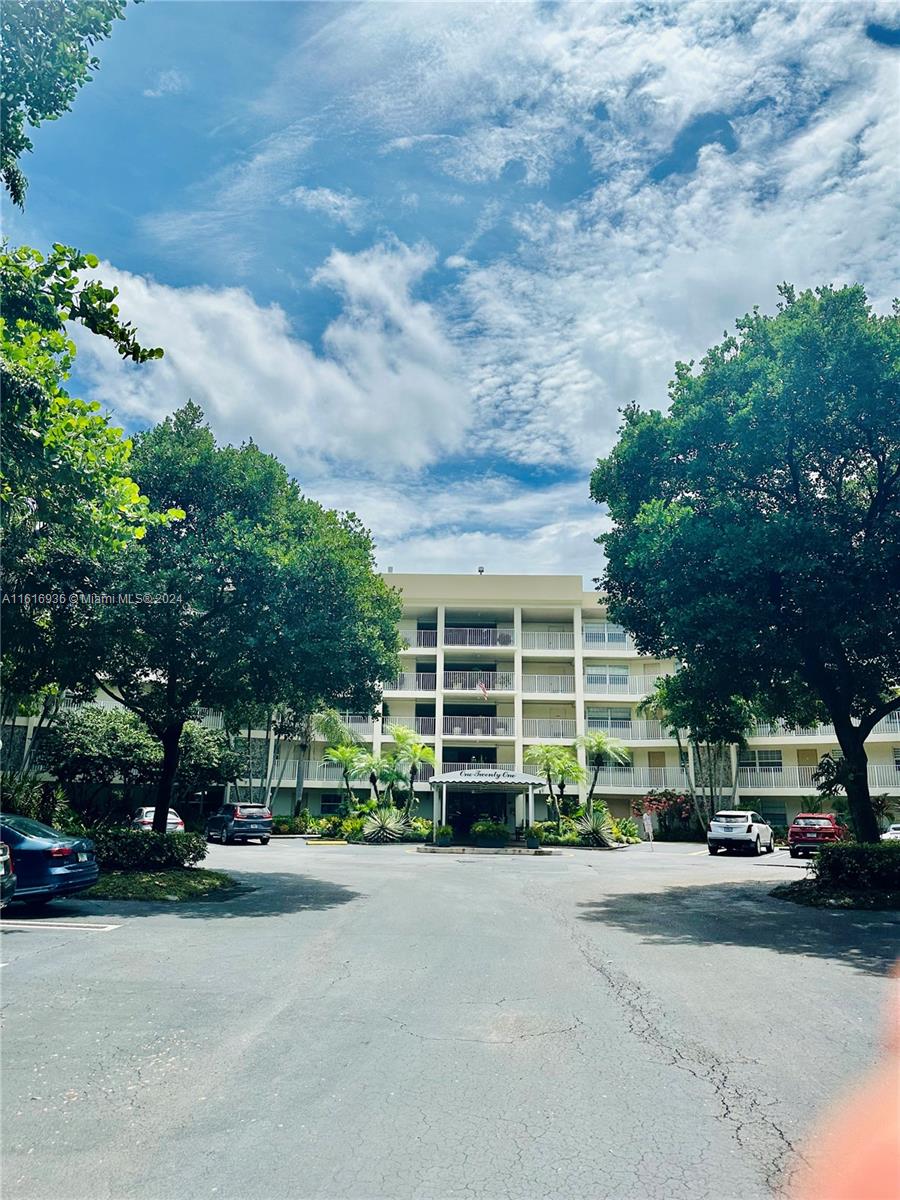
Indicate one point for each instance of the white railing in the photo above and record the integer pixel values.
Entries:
(358, 723)
(418, 637)
(555, 728)
(884, 775)
(447, 767)
(541, 639)
(776, 778)
(326, 772)
(638, 778)
(473, 681)
(633, 729)
(505, 635)
(557, 685)
(608, 637)
(889, 725)
(486, 726)
(413, 681)
(424, 726)
(621, 685)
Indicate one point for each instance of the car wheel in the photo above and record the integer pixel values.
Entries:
(794, 853)
(713, 849)
(264, 841)
(37, 902)
(224, 838)
(771, 847)
(757, 849)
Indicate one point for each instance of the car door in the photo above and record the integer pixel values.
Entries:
(763, 830)
(214, 822)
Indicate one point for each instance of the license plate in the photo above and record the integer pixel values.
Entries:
(82, 857)
(728, 828)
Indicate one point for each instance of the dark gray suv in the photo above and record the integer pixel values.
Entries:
(239, 823)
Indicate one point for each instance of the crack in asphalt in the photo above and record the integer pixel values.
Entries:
(754, 1129)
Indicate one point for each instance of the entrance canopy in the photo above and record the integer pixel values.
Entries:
(487, 780)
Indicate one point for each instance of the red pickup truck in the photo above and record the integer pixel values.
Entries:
(809, 831)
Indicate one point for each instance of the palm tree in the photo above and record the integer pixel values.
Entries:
(559, 766)
(347, 758)
(411, 752)
(371, 765)
(600, 747)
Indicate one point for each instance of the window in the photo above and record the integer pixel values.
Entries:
(761, 760)
(609, 718)
(897, 758)
(773, 812)
(602, 632)
(606, 674)
(330, 804)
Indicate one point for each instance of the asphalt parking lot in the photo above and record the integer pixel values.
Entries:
(372, 1022)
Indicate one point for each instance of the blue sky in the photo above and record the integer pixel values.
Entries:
(425, 253)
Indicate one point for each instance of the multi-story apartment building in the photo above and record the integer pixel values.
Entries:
(492, 664)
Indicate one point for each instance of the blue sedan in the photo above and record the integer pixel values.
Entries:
(48, 863)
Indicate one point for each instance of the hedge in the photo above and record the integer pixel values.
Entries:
(136, 850)
(865, 867)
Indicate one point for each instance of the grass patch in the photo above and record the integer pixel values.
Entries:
(812, 894)
(185, 883)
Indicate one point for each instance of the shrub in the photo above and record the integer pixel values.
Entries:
(490, 832)
(298, 824)
(385, 824)
(419, 830)
(598, 829)
(352, 828)
(629, 830)
(328, 826)
(871, 867)
(551, 836)
(445, 833)
(534, 833)
(135, 850)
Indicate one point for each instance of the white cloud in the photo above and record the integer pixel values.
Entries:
(168, 83)
(385, 393)
(340, 207)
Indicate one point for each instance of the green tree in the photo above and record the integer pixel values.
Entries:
(559, 767)
(259, 596)
(412, 754)
(347, 758)
(46, 59)
(756, 527)
(206, 760)
(69, 504)
(600, 749)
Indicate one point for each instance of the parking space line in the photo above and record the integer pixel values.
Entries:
(57, 926)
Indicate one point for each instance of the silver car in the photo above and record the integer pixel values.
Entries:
(143, 819)
(893, 833)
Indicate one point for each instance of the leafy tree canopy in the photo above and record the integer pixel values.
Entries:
(756, 527)
(46, 59)
(259, 596)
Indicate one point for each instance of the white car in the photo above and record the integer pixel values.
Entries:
(893, 833)
(143, 819)
(738, 829)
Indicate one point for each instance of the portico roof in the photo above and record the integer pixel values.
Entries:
(487, 780)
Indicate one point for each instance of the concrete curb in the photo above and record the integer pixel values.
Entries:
(483, 850)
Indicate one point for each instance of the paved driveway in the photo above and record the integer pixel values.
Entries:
(374, 1023)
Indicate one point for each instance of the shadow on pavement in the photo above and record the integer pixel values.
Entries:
(268, 894)
(746, 915)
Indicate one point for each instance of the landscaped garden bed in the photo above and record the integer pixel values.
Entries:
(184, 883)
(846, 875)
(138, 865)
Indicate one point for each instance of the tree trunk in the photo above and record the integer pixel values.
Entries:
(589, 803)
(171, 738)
(856, 785)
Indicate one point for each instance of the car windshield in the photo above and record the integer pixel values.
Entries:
(29, 828)
(728, 816)
(813, 822)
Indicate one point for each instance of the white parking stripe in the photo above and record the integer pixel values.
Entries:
(57, 925)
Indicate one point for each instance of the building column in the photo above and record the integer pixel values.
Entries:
(519, 749)
(530, 804)
(580, 723)
(439, 691)
(443, 804)
(435, 812)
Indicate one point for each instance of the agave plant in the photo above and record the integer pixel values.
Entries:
(596, 828)
(385, 824)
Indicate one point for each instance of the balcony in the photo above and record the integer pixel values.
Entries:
(413, 638)
(791, 779)
(556, 685)
(607, 639)
(479, 681)
(447, 767)
(424, 726)
(537, 639)
(359, 723)
(639, 779)
(413, 681)
(486, 726)
(549, 728)
(475, 636)
(632, 730)
(326, 772)
(889, 725)
(621, 685)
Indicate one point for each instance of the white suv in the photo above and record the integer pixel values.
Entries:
(739, 830)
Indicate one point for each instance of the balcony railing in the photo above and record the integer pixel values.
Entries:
(359, 723)
(486, 726)
(610, 638)
(424, 726)
(621, 685)
(554, 728)
(477, 681)
(632, 729)
(414, 681)
(540, 639)
(889, 725)
(557, 685)
(326, 772)
(446, 767)
(479, 636)
(419, 637)
(774, 779)
(639, 778)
